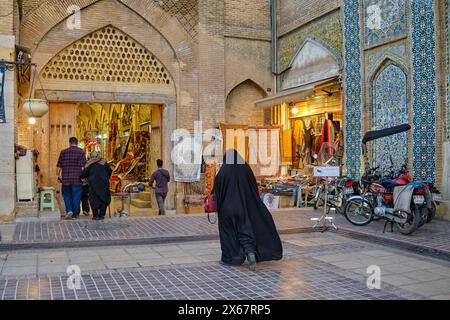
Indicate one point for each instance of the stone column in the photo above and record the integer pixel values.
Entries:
(169, 119)
(7, 161)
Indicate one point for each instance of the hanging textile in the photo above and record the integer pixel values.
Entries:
(210, 174)
(327, 137)
(286, 154)
(264, 151)
(298, 131)
(187, 156)
(2, 91)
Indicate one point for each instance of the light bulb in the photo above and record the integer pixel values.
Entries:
(31, 120)
(294, 110)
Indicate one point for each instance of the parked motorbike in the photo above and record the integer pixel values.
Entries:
(377, 198)
(338, 191)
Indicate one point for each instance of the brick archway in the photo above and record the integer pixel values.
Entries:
(49, 14)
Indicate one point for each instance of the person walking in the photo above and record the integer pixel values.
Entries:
(85, 198)
(97, 173)
(162, 178)
(246, 227)
(70, 164)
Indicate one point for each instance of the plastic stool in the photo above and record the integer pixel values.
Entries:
(47, 199)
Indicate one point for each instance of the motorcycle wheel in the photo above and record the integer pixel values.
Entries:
(412, 222)
(358, 212)
(423, 216)
(431, 212)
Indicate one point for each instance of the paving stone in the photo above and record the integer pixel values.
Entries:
(49, 269)
(209, 258)
(398, 280)
(153, 262)
(19, 271)
(424, 275)
(85, 260)
(146, 256)
(441, 297)
(183, 260)
(121, 264)
(118, 258)
(431, 288)
(441, 271)
(348, 264)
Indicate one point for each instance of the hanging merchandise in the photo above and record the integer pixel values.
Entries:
(286, 158)
(187, 157)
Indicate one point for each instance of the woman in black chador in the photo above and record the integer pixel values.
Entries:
(246, 226)
(98, 172)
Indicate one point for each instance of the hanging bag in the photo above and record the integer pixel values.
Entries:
(210, 207)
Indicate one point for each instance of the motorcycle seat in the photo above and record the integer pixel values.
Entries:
(390, 183)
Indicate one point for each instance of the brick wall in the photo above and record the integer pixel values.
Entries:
(6, 17)
(240, 105)
(293, 13)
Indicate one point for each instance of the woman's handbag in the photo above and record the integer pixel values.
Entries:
(210, 207)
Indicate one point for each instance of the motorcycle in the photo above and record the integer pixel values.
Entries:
(338, 191)
(377, 198)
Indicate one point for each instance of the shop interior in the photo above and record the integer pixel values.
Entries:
(128, 136)
(312, 135)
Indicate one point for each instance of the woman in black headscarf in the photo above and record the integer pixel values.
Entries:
(246, 226)
(98, 172)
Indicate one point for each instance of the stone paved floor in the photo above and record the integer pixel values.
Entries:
(316, 266)
(434, 235)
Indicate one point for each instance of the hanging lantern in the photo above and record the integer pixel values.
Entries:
(35, 108)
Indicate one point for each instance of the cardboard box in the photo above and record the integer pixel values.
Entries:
(286, 202)
(193, 210)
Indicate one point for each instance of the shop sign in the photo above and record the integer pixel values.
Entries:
(2, 91)
(327, 171)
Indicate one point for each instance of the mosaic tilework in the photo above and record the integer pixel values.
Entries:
(353, 92)
(384, 20)
(424, 89)
(326, 30)
(375, 57)
(390, 108)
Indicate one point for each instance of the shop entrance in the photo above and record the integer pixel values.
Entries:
(128, 136)
(317, 128)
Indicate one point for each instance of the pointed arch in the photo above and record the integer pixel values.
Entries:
(240, 104)
(389, 107)
(313, 61)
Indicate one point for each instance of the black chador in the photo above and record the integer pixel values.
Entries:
(246, 226)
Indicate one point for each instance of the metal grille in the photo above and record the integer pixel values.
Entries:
(107, 55)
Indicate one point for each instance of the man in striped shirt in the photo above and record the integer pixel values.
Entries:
(70, 165)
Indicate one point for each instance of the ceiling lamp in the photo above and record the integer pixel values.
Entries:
(35, 108)
(294, 110)
(31, 120)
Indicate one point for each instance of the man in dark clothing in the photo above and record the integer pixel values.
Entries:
(162, 178)
(97, 173)
(70, 164)
(85, 199)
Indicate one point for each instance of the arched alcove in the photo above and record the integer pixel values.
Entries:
(240, 104)
(389, 108)
(314, 61)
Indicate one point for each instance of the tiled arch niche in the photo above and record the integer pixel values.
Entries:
(110, 59)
